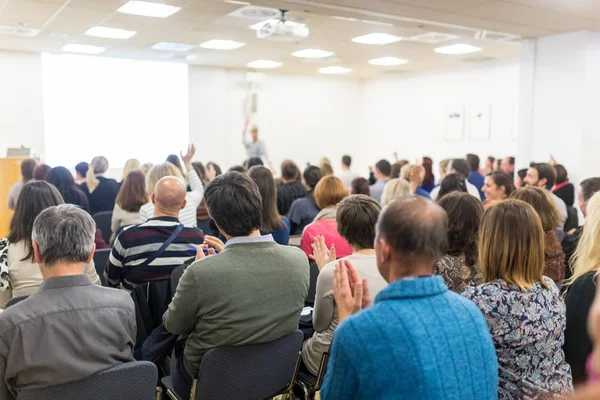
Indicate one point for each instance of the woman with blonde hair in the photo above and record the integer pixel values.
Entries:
(133, 164)
(581, 288)
(523, 309)
(393, 189)
(187, 215)
(100, 191)
(326, 167)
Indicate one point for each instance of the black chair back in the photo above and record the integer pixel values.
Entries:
(312, 285)
(572, 219)
(103, 222)
(100, 260)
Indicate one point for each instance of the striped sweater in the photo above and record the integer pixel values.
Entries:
(136, 244)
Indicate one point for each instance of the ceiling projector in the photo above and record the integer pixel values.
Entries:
(283, 30)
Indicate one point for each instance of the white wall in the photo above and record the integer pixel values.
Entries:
(21, 115)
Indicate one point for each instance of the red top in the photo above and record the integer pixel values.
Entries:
(565, 183)
(328, 229)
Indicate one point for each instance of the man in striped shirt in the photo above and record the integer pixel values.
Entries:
(134, 247)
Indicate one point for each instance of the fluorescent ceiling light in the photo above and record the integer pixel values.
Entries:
(345, 18)
(110, 33)
(258, 26)
(264, 64)
(312, 53)
(378, 39)
(171, 46)
(83, 48)
(460, 48)
(222, 44)
(241, 3)
(147, 9)
(388, 61)
(367, 21)
(335, 70)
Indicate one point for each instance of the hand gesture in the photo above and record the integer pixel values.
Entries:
(200, 252)
(187, 158)
(553, 161)
(396, 156)
(214, 242)
(415, 177)
(321, 255)
(350, 292)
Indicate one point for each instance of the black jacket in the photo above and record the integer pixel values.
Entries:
(104, 196)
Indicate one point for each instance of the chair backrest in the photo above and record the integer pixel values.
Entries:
(103, 222)
(572, 221)
(100, 259)
(132, 381)
(312, 285)
(256, 371)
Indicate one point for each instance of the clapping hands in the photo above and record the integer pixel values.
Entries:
(351, 293)
(321, 255)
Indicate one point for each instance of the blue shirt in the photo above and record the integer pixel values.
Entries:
(418, 341)
(477, 180)
(422, 192)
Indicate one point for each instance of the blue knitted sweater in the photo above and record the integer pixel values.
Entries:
(418, 341)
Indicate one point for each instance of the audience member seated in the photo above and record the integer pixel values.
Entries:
(462, 167)
(508, 166)
(304, 210)
(151, 250)
(253, 291)
(459, 266)
(133, 164)
(70, 329)
(253, 161)
(452, 183)
(346, 175)
(41, 171)
(394, 189)
(419, 340)
(475, 177)
(71, 193)
(554, 258)
(187, 215)
(212, 171)
(325, 166)
(543, 175)
(238, 168)
(272, 223)
(414, 175)
(27, 168)
(328, 193)
(100, 191)
(524, 309)
(581, 289)
(290, 187)
(356, 219)
(563, 188)
(81, 170)
(443, 169)
(383, 170)
(520, 178)
(360, 186)
(130, 199)
(429, 179)
(489, 165)
(145, 168)
(173, 159)
(396, 169)
(497, 186)
(19, 272)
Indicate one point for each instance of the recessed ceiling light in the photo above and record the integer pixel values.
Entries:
(83, 48)
(334, 70)
(222, 44)
(459, 48)
(171, 46)
(312, 53)
(110, 33)
(147, 9)
(264, 64)
(258, 26)
(241, 3)
(388, 61)
(378, 39)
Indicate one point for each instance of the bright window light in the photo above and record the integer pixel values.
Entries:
(457, 49)
(117, 108)
(171, 46)
(109, 33)
(222, 44)
(264, 64)
(83, 49)
(147, 9)
(258, 26)
(334, 70)
(312, 53)
(378, 39)
(388, 61)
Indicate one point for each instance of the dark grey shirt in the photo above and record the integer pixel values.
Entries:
(67, 331)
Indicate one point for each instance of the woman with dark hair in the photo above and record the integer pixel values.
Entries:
(564, 189)
(27, 168)
(429, 180)
(360, 186)
(173, 159)
(459, 267)
(130, 199)
(212, 171)
(19, 273)
(81, 170)
(396, 169)
(304, 210)
(272, 222)
(452, 183)
(41, 171)
(497, 186)
(489, 165)
(62, 179)
(252, 161)
(520, 178)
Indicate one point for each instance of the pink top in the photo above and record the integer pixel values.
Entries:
(328, 229)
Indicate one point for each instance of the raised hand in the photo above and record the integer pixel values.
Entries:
(349, 300)
(321, 255)
(415, 177)
(187, 158)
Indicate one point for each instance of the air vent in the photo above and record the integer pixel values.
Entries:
(496, 36)
(433, 38)
(18, 31)
(257, 13)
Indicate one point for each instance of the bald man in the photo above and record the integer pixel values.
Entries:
(151, 250)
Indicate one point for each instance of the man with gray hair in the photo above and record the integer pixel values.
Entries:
(71, 328)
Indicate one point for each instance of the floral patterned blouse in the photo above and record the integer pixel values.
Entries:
(527, 328)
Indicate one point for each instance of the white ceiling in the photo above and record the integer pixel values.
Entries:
(202, 20)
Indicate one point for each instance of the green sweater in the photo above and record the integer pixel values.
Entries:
(249, 293)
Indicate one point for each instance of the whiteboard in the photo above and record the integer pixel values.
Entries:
(454, 126)
(479, 122)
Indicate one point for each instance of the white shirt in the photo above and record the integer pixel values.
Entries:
(347, 176)
(470, 188)
(187, 216)
(561, 207)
